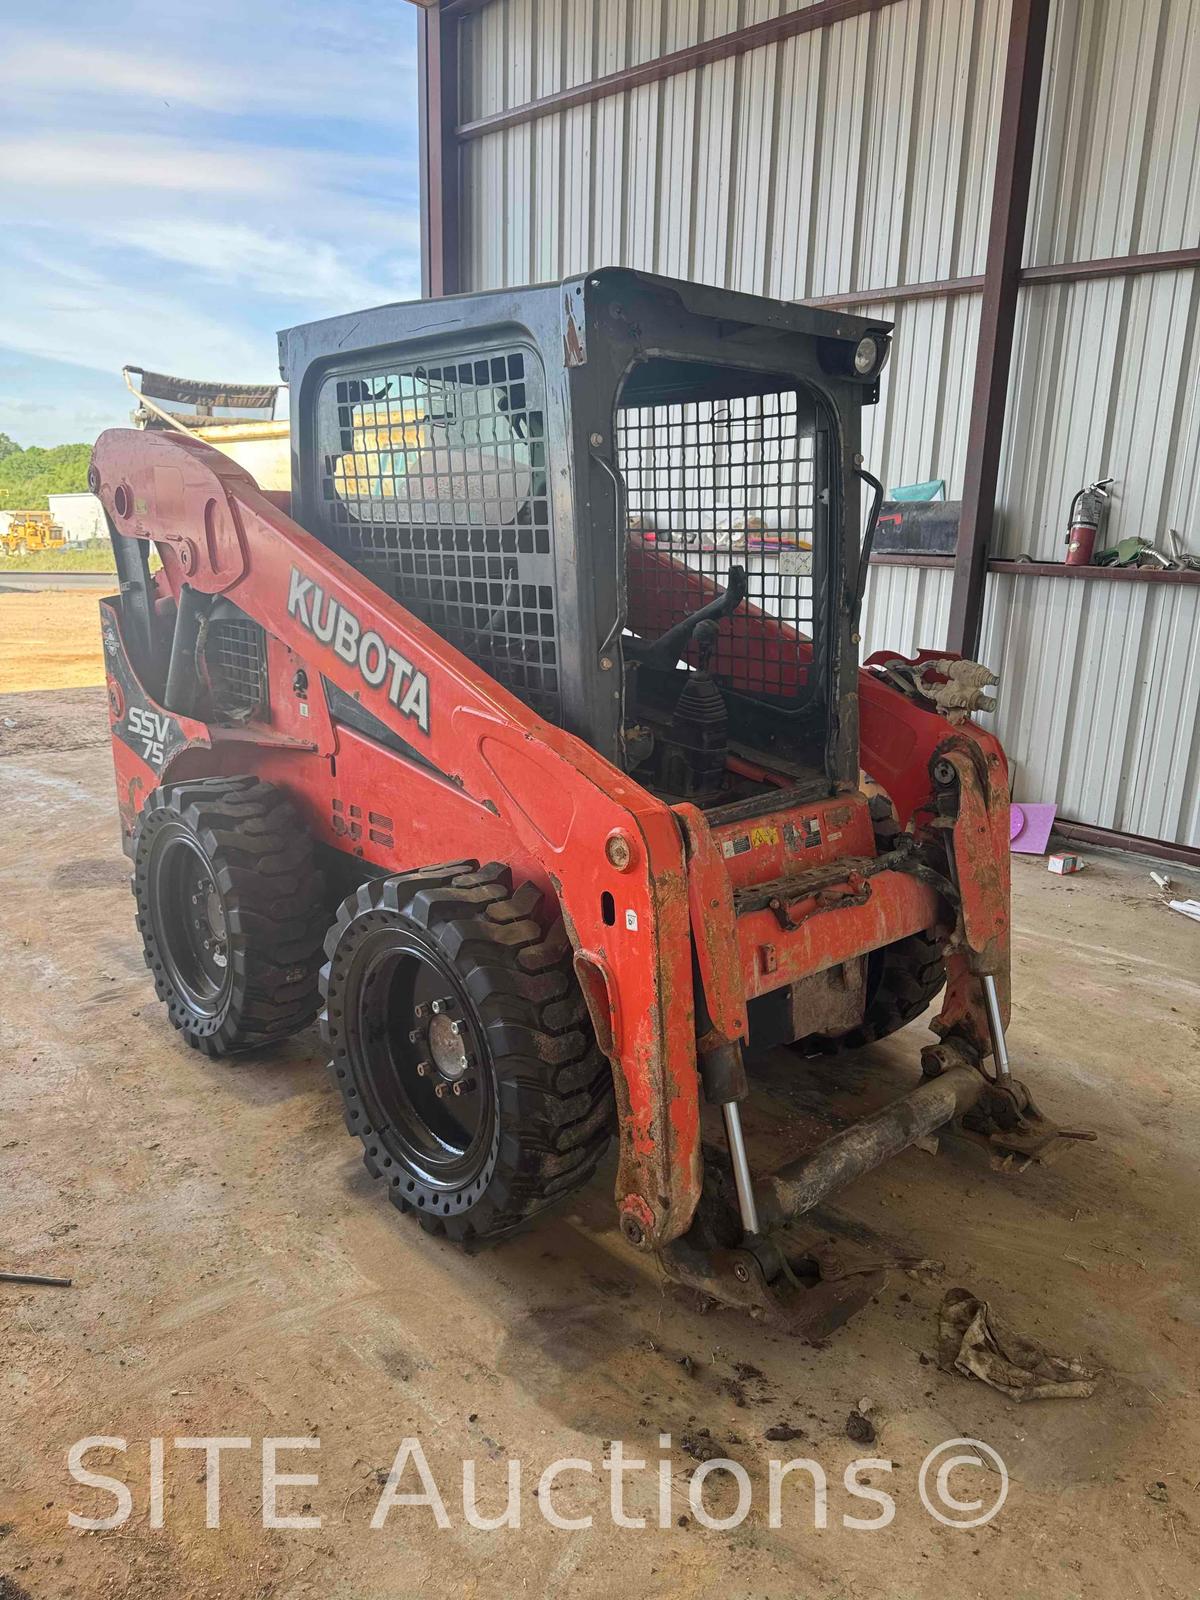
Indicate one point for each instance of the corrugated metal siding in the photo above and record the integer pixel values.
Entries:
(905, 609)
(861, 156)
(852, 156)
(1099, 687)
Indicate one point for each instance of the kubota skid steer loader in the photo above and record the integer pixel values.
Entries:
(525, 745)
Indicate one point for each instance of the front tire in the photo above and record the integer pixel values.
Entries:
(462, 1049)
(231, 910)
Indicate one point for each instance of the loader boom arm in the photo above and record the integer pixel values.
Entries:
(219, 534)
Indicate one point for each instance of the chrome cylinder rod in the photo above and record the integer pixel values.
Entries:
(991, 999)
(741, 1166)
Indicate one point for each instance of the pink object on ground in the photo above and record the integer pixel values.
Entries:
(1029, 829)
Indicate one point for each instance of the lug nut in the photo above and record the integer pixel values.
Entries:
(458, 1088)
(435, 1007)
(422, 1068)
(456, 1027)
(439, 1089)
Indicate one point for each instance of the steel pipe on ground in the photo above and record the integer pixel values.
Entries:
(803, 1184)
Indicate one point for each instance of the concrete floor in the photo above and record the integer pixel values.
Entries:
(236, 1273)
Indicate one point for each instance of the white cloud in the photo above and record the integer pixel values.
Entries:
(89, 162)
(82, 161)
(238, 59)
(33, 63)
(312, 271)
(175, 186)
(93, 320)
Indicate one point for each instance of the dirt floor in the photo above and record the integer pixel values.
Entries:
(236, 1273)
(50, 639)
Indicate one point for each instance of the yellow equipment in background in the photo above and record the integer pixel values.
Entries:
(30, 532)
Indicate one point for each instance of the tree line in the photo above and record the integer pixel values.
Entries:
(28, 476)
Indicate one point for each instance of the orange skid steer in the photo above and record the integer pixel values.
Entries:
(523, 742)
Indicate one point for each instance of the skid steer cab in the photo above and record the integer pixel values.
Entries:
(524, 742)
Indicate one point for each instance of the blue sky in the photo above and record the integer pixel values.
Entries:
(177, 183)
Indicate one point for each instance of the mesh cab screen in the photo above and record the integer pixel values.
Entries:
(434, 487)
(715, 483)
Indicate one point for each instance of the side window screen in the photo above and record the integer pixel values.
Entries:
(434, 487)
(715, 483)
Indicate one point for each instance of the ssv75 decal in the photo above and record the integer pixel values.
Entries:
(334, 624)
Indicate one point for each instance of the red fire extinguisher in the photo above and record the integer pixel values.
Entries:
(1083, 522)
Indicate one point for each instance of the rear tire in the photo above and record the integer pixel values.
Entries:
(231, 911)
(903, 979)
(463, 1050)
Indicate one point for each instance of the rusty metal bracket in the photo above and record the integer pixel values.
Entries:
(858, 892)
(808, 1296)
(837, 884)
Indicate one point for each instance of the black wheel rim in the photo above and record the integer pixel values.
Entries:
(189, 920)
(424, 1073)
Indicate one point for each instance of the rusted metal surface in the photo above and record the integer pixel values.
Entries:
(808, 1298)
(1114, 266)
(982, 858)
(771, 957)
(866, 1144)
(1188, 855)
(1006, 239)
(710, 902)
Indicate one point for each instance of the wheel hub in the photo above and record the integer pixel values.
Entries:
(188, 913)
(419, 1066)
(448, 1046)
(210, 922)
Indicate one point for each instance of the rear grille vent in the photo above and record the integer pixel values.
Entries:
(236, 658)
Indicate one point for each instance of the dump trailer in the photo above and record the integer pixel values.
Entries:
(525, 745)
(238, 419)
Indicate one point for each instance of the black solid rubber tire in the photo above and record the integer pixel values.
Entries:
(552, 1086)
(907, 977)
(273, 897)
(903, 979)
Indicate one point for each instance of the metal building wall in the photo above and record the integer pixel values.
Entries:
(859, 156)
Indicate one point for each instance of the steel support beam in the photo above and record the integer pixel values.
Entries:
(1053, 272)
(437, 87)
(1001, 279)
(735, 43)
